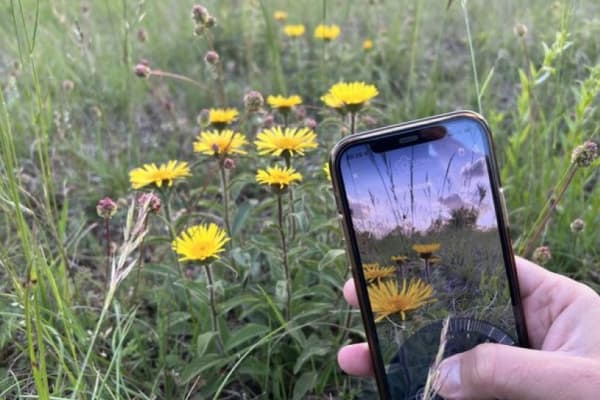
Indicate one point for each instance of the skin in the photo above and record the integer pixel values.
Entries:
(563, 320)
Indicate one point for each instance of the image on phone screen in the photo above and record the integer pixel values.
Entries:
(426, 227)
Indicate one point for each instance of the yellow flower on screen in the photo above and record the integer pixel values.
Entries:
(425, 251)
(367, 44)
(221, 117)
(387, 298)
(374, 272)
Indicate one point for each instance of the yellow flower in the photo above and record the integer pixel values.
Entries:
(400, 260)
(277, 177)
(367, 44)
(220, 117)
(426, 250)
(387, 299)
(220, 143)
(327, 32)
(294, 31)
(289, 141)
(158, 175)
(280, 15)
(200, 243)
(282, 103)
(374, 272)
(327, 171)
(351, 96)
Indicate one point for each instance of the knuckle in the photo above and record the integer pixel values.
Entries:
(483, 365)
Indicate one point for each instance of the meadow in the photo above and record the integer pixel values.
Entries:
(158, 245)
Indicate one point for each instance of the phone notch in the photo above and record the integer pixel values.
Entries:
(421, 135)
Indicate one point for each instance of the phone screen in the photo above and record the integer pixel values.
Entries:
(425, 223)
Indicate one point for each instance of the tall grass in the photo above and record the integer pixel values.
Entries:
(64, 146)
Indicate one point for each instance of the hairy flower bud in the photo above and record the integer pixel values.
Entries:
(520, 30)
(269, 121)
(142, 35)
(310, 123)
(68, 85)
(229, 163)
(577, 225)
(152, 200)
(253, 101)
(542, 255)
(585, 154)
(212, 57)
(106, 208)
(142, 70)
(199, 14)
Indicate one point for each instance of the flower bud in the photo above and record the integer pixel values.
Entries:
(199, 14)
(520, 30)
(142, 70)
(269, 121)
(152, 200)
(585, 154)
(212, 57)
(106, 208)
(577, 225)
(142, 35)
(542, 255)
(210, 22)
(300, 112)
(229, 163)
(310, 123)
(68, 85)
(253, 101)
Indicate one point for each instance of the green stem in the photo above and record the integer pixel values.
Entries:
(531, 238)
(472, 53)
(288, 163)
(165, 74)
(213, 307)
(285, 256)
(225, 194)
(352, 123)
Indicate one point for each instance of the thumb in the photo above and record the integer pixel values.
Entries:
(491, 371)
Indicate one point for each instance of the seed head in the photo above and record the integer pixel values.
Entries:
(212, 57)
(542, 255)
(106, 208)
(577, 225)
(253, 101)
(520, 30)
(585, 154)
(152, 200)
(229, 163)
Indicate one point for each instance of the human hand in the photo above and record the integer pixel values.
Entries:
(563, 320)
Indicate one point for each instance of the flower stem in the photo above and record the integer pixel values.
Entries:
(225, 194)
(213, 307)
(529, 240)
(352, 123)
(288, 163)
(107, 240)
(165, 74)
(285, 256)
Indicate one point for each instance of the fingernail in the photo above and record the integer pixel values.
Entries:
(447, 383)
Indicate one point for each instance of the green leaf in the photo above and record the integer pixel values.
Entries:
(309, 352)
(202, 343)
(304, 384)
(245, 334)
(330, 257)
(240, 217)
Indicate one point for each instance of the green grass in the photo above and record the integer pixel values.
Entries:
(62, 150)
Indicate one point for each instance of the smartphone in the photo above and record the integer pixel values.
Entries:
(427, 236)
